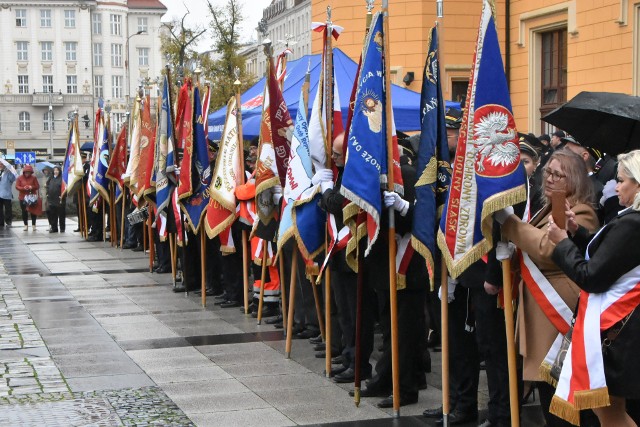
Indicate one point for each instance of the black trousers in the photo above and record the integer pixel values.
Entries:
(464, 365)
(25, 214)
(304, 304)
(57, 215)
(6, 216)
(232, 270)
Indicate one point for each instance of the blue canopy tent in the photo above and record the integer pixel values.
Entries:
(406, 103)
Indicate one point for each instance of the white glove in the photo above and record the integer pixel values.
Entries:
(608, 191)
(391, 198)
(326, 185)
(502, 215)
(322, 175)
(276, 194)
(451, 288)
(504, 250)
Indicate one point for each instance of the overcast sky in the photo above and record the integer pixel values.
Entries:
(199, 15)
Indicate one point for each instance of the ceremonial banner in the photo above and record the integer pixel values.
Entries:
(433, 169)
(147, 150)
(281, 126)
(184, 131)
(98, 183)
(227, 176)
(366, 163)
(72, 171)
(118, 162)
(298, 176)
(487, 175)
(131, 174)
(165, 155)
(195, 165)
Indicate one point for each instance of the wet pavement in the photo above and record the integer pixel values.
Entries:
(89, 337)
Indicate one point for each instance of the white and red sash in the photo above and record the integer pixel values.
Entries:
(582, 383)
(404, 254)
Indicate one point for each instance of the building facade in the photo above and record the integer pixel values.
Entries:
(69, 55)
(288, 24)
(552, 49)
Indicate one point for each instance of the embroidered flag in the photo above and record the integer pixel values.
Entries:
(118, 162)
(147, 149)
(196, 164)
(165, 155)
(99, 161)
(227, 176)
(433, 169)
(131, 174)
(184, 131)
(487, 175)
(365, 171)
(72, 171)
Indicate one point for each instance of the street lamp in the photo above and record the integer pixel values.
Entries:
(50, 120)
(126, 62)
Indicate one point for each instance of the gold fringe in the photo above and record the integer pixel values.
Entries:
(401, 282)
(589, 399)
(422, 249)
(544, 371)
(312, 270)
(221, 226)
(565, 410)
(226, 250)
(266, 184)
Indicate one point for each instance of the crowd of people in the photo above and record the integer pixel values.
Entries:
(568, 275)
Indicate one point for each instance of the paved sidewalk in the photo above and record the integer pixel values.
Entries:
(89, 337)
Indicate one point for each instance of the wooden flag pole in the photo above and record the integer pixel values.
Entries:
(104, 221)
(511, 346)
(292, 299)
(144, 238)
(203, 264)
(123, 218)
(393, 297)
(83, 196)
(318, 303)
(152, 246)
(172, 253)
(263, 277)
(283, 294)
(444, 338)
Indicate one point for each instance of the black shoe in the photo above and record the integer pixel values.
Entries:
(370, 392)
(138, 248)
(278, 325)
(77, 230)
(337, 371)
(222, 298)
(337, 360)
(273, 320)
(433, 412)
(388, 402)
(316, 340)
(230, 304)
(321, 354)
(220, 302)
(319, 347)
(458, 417)
(266, 312)
(163, 269)
(347, 376)
(93, 239)
(53, 231)
(297, 328)
(179, 288)
(128, 246)
(306, 334)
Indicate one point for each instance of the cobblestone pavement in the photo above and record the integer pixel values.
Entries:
(33, 391)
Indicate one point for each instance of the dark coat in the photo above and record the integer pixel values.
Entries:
(54, 187)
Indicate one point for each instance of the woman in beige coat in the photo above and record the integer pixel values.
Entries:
(564, 171)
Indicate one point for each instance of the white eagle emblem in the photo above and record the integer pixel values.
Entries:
(493, 141)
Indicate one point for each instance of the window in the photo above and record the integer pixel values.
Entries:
(45, 18)
(48, 119)
(143, 56)
(118, 118)
(23, 84)
(72, 84)
(143, 23)
(24, 121)
(116, 55)
(554, 72)
(69, 18)
(47, 84)
(116, 25)
(23, 51)
(116, 87)
(70, 49)
(96, 21)
(47, 51)
(98, 87)
(21, 17)
(97, 54)
(459, 90)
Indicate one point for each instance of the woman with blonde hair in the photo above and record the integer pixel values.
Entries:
(547, 296)
(605, 340)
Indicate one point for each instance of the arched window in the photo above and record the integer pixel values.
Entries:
(45, 121)
(24, 121)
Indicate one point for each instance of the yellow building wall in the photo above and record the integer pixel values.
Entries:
(410, 23)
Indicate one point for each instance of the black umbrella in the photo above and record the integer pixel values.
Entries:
(607, 121)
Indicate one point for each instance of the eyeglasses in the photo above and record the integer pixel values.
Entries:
(555, 176)
(335, 154)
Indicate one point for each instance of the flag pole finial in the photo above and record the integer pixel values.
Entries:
(440, 8)
(370, 4)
